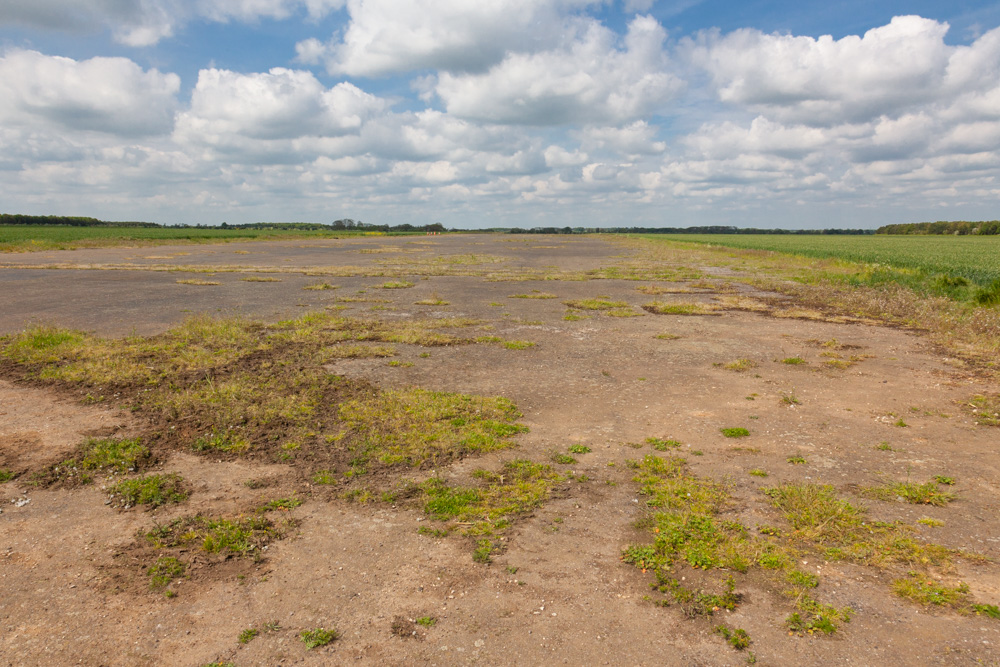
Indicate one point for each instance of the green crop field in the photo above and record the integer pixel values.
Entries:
(27, 238)
(973, 258)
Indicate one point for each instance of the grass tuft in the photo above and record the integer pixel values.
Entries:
(928, 493)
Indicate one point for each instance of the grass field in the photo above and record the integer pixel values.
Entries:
(963, 267)
(28, 238)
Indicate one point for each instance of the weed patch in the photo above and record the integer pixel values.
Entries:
(928, 493)
(317, 637)
(928, 592)
(740, 365)
(149, 490)
(241, 536)
(734, 432)
(485, 512)
(985, 409)
(418, 427)
(165, 570)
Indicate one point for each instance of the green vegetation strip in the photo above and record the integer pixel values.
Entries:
(962, 267)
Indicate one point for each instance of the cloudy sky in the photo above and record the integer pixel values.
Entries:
(770, 113)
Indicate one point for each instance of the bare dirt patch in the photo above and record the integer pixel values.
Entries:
(340, 534)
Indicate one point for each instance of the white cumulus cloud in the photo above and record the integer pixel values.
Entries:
(229, 109)
(586, 80)
(823, 81)
(146, 22)
(390, 36)
(109, 95)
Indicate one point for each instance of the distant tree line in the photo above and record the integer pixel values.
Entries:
(711, 229)
(957, 227)
(338, 225)
(66, 220)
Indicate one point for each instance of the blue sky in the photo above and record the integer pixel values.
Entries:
(513, 112)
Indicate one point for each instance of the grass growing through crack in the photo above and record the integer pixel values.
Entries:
(595, 304)
(149, 490)
(660, 308)
(928, 493)
(433, 300)
(534, 294)
(509, 344)
(485, 512)
(740, 365)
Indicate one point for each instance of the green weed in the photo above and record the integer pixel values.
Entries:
(740, 365)
(221, 441)
(247, 635)
(151, 490)
(240, 536)
(164, 570)
(317, 637)
(734, 432)
(485, 512)
(738, 638)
